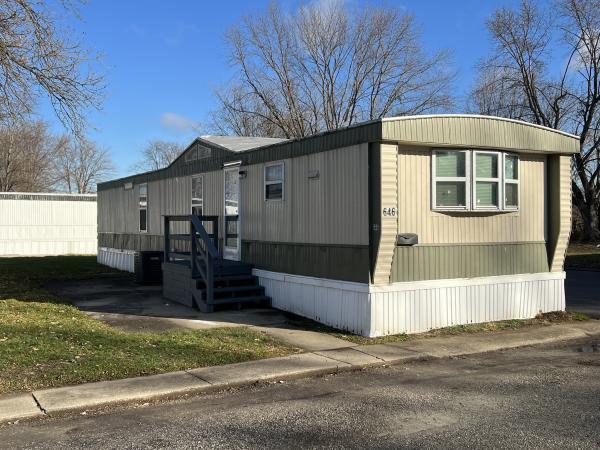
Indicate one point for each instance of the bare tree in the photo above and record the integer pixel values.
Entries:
(157, 154)
(326, 66)
(80, 165)
(26, 154)
(527, 85)
(37, 58)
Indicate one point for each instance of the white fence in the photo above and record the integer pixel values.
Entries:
(47, 224)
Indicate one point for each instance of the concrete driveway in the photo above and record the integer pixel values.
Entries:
(583, 292)
(124, 304)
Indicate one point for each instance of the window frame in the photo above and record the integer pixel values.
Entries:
(201, 177)
(471, 179)
(267, 183)
(506, 181)
(142, 208)
(435, 179)
(498, 180)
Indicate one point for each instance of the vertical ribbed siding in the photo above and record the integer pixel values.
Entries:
(118, 208)
(389, 223)
(415, 214)
(416, 307)
(433, 262)
(117, 211)
(329, 209)
(47, 227)
(117, 259)
(560, 196)
(480, 132)
(338, 304)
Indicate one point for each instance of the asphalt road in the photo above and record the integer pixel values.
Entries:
(582, 291)
(542, 397)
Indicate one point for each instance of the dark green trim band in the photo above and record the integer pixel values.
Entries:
(335, 262)
(131, 241)
(467, 261)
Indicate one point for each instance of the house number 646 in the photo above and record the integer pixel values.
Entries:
(389, 212)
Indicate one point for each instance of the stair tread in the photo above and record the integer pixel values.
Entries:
(253, 298)
(251, 287)
(226, 277)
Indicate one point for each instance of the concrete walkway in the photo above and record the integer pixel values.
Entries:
(171, 385)
(124, 304)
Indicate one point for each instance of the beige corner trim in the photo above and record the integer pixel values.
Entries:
(389, 222)
(564, 225)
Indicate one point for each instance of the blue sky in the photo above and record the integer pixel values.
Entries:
(163, 60)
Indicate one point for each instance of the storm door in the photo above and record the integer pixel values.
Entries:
(231, 210)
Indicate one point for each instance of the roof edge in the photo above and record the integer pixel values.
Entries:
(49, 193)
(477, 116)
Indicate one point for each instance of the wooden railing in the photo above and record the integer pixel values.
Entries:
(230, 220)
(203, 247)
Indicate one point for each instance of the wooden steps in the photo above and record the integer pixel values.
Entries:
(233, 284)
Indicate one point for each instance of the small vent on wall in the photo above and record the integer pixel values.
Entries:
(128, 185)
(313, 174)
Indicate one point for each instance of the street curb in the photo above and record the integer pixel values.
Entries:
(90, 396)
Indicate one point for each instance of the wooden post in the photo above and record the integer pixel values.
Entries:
(209, 279)
(193, 249)
(167, 240)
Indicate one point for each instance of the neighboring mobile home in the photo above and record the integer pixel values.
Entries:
(41, 224)
(397, 225)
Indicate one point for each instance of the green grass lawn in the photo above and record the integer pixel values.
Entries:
(543, 319)
(46, 342)
(583, 257)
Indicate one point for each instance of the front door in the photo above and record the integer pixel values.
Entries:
(231, 234)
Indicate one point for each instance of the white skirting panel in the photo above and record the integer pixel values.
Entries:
(414, 307)
(421, 306)
(340, 304)
(117, 259)
(40, 247)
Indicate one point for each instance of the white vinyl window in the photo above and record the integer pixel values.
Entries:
(274, 181)
(511, 182)
(450, 180)
(486, 184)
(143, 207)
(197, 195)
(473, 180)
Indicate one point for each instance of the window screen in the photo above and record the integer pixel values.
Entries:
(197, 195)
(511, 182)
(487, 180)
(474, 179)
(450, 179)
(143, 207)
(274, 179)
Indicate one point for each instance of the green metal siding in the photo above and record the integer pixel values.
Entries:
(431, 262)
(131, 241)
(335, 262)
(347, 263)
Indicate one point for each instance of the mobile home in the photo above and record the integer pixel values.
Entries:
(42, 224)
(397, 225)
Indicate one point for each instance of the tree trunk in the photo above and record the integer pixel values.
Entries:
(591, 221)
